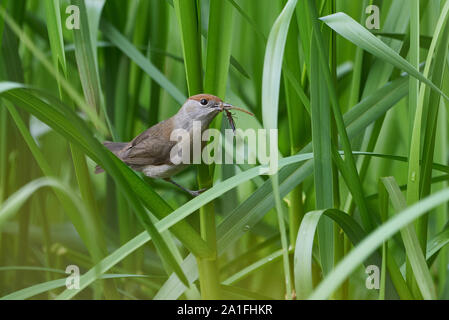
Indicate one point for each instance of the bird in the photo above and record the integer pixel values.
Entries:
(150, 152)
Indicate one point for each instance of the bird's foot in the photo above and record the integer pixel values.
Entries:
(196, 193)
(193, 193)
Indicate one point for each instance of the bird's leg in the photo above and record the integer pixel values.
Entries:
(193, 193)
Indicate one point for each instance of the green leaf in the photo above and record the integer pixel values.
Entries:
(424, 41)
(55, 34)
(16, 200)
(85, 56)
(54, 284)
(67, 202)
(354, 32)
(261, 201)
(72, 127)
(227, 231)
(68, 88)
(245, 272)
(273, 65)
(375, 239)
(254, 208)
(416, 187)
(347, 166)
(413, 249)
(305, 240)
(322, 146)
(271, 79)
(188, 20)
(138, 58)
(218, 48)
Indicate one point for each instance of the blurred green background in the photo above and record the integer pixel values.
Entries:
(132, 64)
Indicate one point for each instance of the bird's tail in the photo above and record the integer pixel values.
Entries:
(115, 148)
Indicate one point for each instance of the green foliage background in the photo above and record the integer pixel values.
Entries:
(363, 134)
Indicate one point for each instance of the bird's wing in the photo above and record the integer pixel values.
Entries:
(152, 147)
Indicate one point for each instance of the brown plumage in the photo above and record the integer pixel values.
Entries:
(150, 151)
(206, 96)
(151, 147)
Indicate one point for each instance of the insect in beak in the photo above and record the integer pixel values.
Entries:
(226, 107)
(230, 120)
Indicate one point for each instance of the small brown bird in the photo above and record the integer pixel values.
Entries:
(150, 153)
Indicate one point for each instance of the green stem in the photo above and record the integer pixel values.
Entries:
(296, 212)
(190, 27)
(208, 268)
(297, 124)
(414, 170)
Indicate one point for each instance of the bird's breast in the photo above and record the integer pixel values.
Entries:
(163, 171)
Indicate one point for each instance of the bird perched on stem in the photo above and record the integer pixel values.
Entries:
(150, 152)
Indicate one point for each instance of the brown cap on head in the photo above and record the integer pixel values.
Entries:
(199, 97)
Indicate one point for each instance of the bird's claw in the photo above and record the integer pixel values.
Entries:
(196, 193)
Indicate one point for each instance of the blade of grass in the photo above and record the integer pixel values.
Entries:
(424, 41)
(71, 92)
(378, 74)
(430, 126)
(357, 118)
(347, 166)
(187, 14)
(127, 48)
(85, 41)
(159, 36)
(54, 27)
(219, 38)
(415, 147)
(123, 175)
(55, 34)
(252, 211)
(374, 240)
(229, 231)
(321, 142)
(12, 69)
(261, 201)
(85, 57)
(17, 200)
(46, 169)
(298, 120)
(54, 284)
(183, 212)
(74, 129)
(189, 23)
(304, 244)
(123, 110)
(354, 32)
(3, 148)
(358, 66)
(414, 61)
(2, 25)
(270, 102)
(413, 249)
(413, 107)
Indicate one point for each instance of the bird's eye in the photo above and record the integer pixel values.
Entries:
(203, 102)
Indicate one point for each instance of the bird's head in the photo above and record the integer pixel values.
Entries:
(202, 107)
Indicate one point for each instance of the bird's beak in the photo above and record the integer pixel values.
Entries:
(220, 106)
(225, 106)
